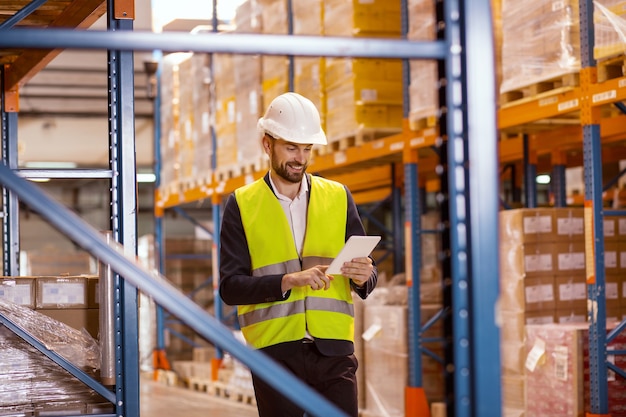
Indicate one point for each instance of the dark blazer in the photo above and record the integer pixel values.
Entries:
(237, 286)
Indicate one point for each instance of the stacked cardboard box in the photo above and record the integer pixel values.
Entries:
(609, 29)
(249, 93)
(557, 371)
(540, 42)
(532, 243)
(225, 112)
(423, 92)
(171, 124)
(543, 281)
(188, 266)
(382, 346)
(72, 300)
(308, 19)
(274, 69)
(362, 93)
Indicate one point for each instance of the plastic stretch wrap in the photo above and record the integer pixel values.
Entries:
(382, 349)
(540, 41)
(75, 345)
(610, 28)
(423, 93)
(29, 381)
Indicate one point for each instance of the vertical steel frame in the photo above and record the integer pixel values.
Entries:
(558, 185)
(124, 216)
(10, 205)
(594, 215)
(470, 133)
(530, 175)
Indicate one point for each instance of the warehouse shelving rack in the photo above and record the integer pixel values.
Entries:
(468, 136)
(600, 138)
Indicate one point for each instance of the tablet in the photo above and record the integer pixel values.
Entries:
(355, 247)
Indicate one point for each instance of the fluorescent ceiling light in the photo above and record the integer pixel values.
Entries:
(39, 179)
(50, 165)
(146, 177)
(543, 179)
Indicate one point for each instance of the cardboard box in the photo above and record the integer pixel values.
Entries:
(540, 317)
(571, 292)
(20, 291)
(576, 314)
(569, 223)
(61, 292)
(540, 259)
(80, 318)
(93, 292)
(526, 225)
(570, 257)
(539, 294)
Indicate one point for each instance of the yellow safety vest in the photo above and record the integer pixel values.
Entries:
(327, 314)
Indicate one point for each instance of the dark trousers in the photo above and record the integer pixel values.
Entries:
(334, 377)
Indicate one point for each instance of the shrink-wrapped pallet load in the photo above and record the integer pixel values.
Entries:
(170, 121)
(308, 20)
(540, 46)
(274, 69)
(225, 114)
(423, 91)
(248, 96)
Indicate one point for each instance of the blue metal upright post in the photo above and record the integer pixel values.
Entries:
(124, 211)
(530, 175)
(558, 185)
(416, 403)
(10, 204)
(482, 133)
(594, 223)
(160, 358)
(469, 138)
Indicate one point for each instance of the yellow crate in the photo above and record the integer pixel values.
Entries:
(354, 18)
(344, 122)
(365, 91)
(381, 23)
(338, 69)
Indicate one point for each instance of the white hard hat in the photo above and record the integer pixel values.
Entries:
(293, 118)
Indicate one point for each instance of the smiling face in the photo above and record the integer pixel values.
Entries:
(288, 160)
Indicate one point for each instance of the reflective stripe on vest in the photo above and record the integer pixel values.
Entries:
(326, 314)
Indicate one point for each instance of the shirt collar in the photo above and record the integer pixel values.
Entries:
(304, 188)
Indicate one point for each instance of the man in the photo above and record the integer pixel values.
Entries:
(278, 236)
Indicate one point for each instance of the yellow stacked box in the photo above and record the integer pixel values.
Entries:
(365, 18)
(362, 94)
(540, 43)
(248, 95)
(423, 92)
(309, 71)
(171, 121)
(225, 120)
(275, 69)
(610, 29)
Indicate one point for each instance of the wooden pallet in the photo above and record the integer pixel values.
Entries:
(223, 390)
(610, 68)
(355, 138)
(424, 122)
(551, 85)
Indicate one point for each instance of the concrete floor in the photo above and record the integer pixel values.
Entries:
(160, 400)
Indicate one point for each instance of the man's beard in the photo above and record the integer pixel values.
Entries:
(282, 171)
